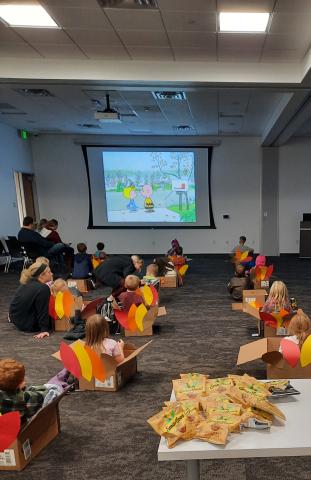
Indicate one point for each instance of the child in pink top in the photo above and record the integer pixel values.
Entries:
(97, 337)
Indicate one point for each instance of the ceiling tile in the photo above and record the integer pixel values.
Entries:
(300, 6)
(17, 50)
(245, 5)
(72, 3)
(98, 52)
(123, 19)
(288, 42)
(193, 39)
(7, 34)
(186, 5)
(240, 42)
(282, 56)
(185, 54)
(94, 37)
(45, 35)
(189, 21)
(80, 17)
(233, 102)
(144, 38)
(151, 53)
(246, 56)
(59, 51)
(290, 23)
(233, 124)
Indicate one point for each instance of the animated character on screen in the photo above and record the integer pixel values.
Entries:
(130, 194)
(148, 203)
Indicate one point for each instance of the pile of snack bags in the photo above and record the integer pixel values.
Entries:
(211, 408)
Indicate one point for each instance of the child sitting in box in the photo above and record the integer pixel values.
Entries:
(132, 283)
(97, 337)
(174, 246)
(60, 285)
(178, 259)
(298, 329)
(165, 266)
(15, 396)
(82, 265)
(278, 299)
(151, 277)
(238, 283)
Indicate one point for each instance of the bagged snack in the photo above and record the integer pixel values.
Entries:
(254, 418)
(212, 432)
(188, 388)
(213, 400)
(268, 407)
(194, 376)
(231, 421)
(231, 408)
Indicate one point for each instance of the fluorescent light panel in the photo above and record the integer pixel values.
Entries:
(26, 16)
(243, 22)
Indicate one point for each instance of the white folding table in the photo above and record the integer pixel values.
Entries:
(284, 439)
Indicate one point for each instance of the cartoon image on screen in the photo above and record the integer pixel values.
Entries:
(149, 186)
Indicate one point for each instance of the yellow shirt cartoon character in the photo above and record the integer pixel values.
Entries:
(148, 203)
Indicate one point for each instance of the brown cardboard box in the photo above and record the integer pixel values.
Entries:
(64, 324)
(250, 296)
(117, 374)
(81, 285)
(261, 284)
(268, 350)
(33, 437)
(169, 281)
(148, 322)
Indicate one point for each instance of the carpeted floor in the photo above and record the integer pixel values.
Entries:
(105, 436)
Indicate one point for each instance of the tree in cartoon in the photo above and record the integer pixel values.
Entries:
(180, 166)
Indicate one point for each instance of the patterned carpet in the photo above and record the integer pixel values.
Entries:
(105, 436)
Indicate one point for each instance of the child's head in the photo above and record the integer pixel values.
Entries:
(278, 294)
(59, 285)
(300, 326)
(12, 374)
(43, 260)
(178, 250)
(100, 246)
(260, 261)
(131, 283)
(52, 224)
(81, 247)
(96, 330)
(152, 270)
(242, 240)
(240, 270)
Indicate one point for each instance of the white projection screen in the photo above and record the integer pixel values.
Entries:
(149, 187)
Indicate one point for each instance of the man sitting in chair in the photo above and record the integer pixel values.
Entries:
(36, 243)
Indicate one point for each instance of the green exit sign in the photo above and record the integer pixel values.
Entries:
(24, 134)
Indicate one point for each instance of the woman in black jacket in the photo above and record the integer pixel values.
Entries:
(29, 309)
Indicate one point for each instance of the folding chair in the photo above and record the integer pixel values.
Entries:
(15, 253)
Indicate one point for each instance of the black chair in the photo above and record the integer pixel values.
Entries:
(15, 252)
(4, 254)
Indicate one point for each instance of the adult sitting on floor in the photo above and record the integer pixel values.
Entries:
(112, 272)
(29, 309)
(35, 243)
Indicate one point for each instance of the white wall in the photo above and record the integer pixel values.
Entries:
(294, 191)
(15, 154)
(63, 194)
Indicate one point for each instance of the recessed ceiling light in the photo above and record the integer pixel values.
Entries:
(243, 22)
(31, 15)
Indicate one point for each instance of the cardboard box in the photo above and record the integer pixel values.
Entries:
(261, 284)
(169, 281)
(250, 296)
(268, 350)
(33, 437)
(117, 374)
(64, 324)
(81, 285)
(148, 322)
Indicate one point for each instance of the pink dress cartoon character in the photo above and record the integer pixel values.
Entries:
(148, 203)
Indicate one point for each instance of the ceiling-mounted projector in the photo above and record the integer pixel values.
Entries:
(109, 115)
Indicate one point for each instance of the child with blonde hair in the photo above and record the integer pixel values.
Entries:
(132, 283)
(60, 285)
(278, 299)
(97, 337)
(298, 329)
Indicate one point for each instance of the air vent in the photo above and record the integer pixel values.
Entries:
(182, 128)
(138, 4)
(230, 115)
(88, 125)
(222, 132)
(169, 95)
(6, 106)
(140, 131)
(34, 92)
(128, 115)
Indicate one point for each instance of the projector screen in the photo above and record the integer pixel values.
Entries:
(141, 187)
